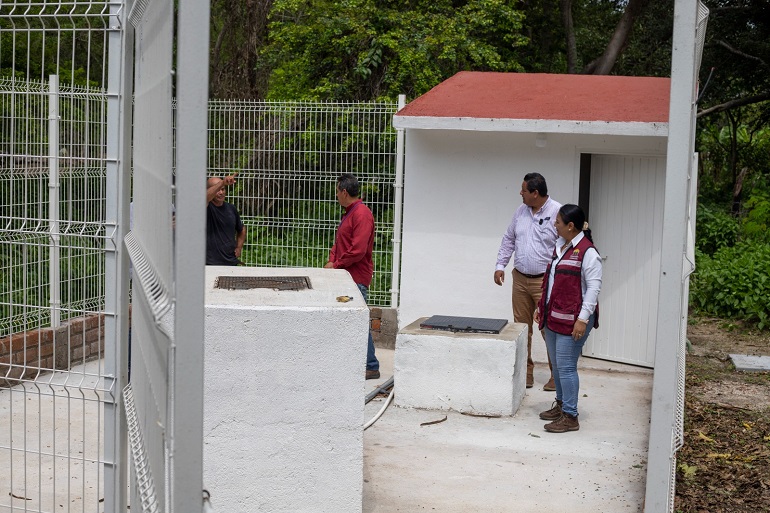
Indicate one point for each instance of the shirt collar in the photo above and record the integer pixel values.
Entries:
(347, 209)
(574, 242)
(541, 208)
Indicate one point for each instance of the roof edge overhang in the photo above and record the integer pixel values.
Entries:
(624, 128)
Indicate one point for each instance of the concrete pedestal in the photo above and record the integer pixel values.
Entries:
(467, 372)
(284, 394)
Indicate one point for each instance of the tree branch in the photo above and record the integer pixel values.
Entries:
(732, 104)
(730, 49)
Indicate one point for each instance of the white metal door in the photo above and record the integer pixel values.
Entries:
(626, 219)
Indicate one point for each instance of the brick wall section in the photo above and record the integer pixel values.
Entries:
(26, 355)
(384, 325)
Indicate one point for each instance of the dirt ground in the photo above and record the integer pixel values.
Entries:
(724, 465)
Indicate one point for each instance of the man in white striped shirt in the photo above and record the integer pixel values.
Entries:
(530, 238)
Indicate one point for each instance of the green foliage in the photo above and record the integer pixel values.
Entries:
(366, 49)
(715, 229)
(734, 283)
(56, 45)
(757, 219)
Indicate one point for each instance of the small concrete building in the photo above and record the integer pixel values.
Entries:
(599, 141)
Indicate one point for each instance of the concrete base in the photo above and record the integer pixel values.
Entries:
(284, 389)
(466, 372)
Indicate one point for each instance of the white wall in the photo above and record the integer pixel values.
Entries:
(460, 191)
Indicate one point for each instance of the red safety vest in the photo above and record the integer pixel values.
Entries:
(563, 309)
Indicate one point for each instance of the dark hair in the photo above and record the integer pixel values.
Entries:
(575, 215)
(348, 182)
(536, 182)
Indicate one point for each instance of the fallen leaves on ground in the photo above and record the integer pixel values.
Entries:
(724, 465)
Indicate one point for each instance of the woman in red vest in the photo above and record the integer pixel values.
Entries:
(568, 309)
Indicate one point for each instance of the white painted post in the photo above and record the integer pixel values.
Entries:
(54, 270)
(186, 433)
(661, 458)
(398, 205)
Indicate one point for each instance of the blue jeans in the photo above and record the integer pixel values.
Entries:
(371, 361)
(564, 353)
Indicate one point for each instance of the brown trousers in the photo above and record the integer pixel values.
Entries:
(525, 296)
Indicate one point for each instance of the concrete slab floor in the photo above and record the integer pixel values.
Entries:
(59, 420)
(462, 464)
(512, 464)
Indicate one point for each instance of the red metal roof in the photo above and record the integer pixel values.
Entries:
(473, 94)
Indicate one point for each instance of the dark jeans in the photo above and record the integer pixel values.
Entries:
(371, 360)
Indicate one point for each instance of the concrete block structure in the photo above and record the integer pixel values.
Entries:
(284, 392)
(478, 373)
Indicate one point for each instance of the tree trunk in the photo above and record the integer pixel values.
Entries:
(736, 209)
(604, 64)
(569, 30)
(239, 31)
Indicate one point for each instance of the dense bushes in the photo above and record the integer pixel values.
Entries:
(734, 283)
(716, 229)
(732, 275)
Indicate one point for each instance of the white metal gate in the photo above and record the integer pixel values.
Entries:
(164, 402)
(626, 218)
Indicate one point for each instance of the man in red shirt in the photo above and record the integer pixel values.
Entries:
(352, 249)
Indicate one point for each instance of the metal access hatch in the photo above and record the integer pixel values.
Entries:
(263, 282)
(464, 324)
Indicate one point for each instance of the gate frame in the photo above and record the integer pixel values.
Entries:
(116, 297)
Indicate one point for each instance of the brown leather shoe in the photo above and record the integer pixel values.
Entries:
(530, 380)
(563, 424)
(372, 374)
(554, 413)
(550, 386)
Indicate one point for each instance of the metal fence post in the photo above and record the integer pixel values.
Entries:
(54, 279)
(397, 209)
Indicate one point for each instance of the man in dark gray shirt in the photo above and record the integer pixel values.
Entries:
(225, 233)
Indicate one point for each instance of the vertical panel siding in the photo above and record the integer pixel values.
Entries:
(627, 223)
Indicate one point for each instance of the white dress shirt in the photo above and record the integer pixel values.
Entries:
(530, 239)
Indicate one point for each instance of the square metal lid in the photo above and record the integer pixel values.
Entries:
(464, 324)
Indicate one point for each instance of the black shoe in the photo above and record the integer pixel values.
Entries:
(372, 374)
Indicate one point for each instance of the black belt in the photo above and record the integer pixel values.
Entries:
(530, 276)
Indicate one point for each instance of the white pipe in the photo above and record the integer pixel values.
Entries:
(53, 200)
(399, 186)
(382, 410)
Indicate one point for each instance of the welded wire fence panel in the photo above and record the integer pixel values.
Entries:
(288, 157)
(53, 236)
(26, 235)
